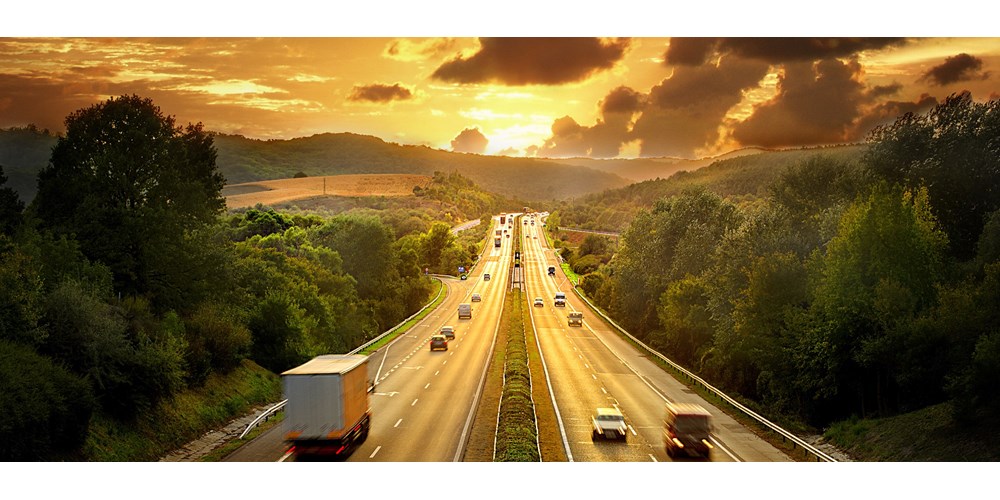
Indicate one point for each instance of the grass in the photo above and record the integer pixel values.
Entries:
(223, 451)
(186, 416)
(926, 435)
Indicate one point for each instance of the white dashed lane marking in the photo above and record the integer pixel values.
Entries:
(397, 423)
(374, 452)
(414, 402)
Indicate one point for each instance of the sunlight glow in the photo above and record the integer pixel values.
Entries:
(230, 87)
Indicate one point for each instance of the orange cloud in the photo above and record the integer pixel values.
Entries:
(470, 140)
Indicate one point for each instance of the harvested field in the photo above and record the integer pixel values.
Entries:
(249, 194)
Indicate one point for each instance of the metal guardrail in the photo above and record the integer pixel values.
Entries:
(281, 405)
(393, 329)
(263, 417)
(797, 441)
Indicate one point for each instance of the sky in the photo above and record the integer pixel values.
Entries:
(518, 96)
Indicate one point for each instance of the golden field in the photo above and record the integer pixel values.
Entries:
(277, 191)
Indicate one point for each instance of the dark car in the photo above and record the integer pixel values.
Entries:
(465, 276)
(439, 342)
(609, 423)
(486, 277)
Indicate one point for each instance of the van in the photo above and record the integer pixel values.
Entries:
(686, 430)
(465, 311)
(575, 318)
(560, 300)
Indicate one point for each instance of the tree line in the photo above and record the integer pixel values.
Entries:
(864, 288)
(125, 282)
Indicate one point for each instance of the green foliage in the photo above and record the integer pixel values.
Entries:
(10, 207)
(664, 245)
(130, 186)
(952, 150)
(217, 341)
(21, 302)
(279, 328)
(685, 321)
(46, 408)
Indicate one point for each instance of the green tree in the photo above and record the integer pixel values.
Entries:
(952, 150)
(10, 207)
(878, 273)
(131, 186)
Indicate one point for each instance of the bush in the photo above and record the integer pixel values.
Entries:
(217, 339)
(47, 409)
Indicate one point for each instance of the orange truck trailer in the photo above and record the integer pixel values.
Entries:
(327, 413)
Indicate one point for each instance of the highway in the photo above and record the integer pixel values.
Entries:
(593, 367)
(423, 401)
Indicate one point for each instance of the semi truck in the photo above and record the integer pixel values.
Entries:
(327, 413)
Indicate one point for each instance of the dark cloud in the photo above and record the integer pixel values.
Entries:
(526, 61)
(689, 51)
(815, 104)
(685, 111)
(887, 112)
(379, 92)
(569, 138)
(470, 140)
(605, 138)
(774, 50)
(884, 90)
(622, 100)
(962, 67)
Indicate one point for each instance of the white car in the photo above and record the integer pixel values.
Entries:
(539, 302)
(477, 298)
(609, 423)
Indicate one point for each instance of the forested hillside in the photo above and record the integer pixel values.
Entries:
(860, 283)
(126, 283)
(740, 178)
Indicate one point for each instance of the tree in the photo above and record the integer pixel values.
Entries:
(878, 273)
(954, 152)
(10, 207)
(131, 186)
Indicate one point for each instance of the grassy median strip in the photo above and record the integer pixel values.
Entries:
(517, 435)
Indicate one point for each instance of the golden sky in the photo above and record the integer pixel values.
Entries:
(600, 97)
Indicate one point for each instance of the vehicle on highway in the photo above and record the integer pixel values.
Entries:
(465, 311)
(575, 318)
(552, 270)
(539, 302)
(532, 222)
(560, 300)
(477, 298)
(609, 423)
(486, 276)
(327, 413)
(448, 331)
(686, 429)
(525, 222)
(439, 342)
(465, 276)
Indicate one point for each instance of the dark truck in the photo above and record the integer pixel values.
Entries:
(327, 413)
(686, 430)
